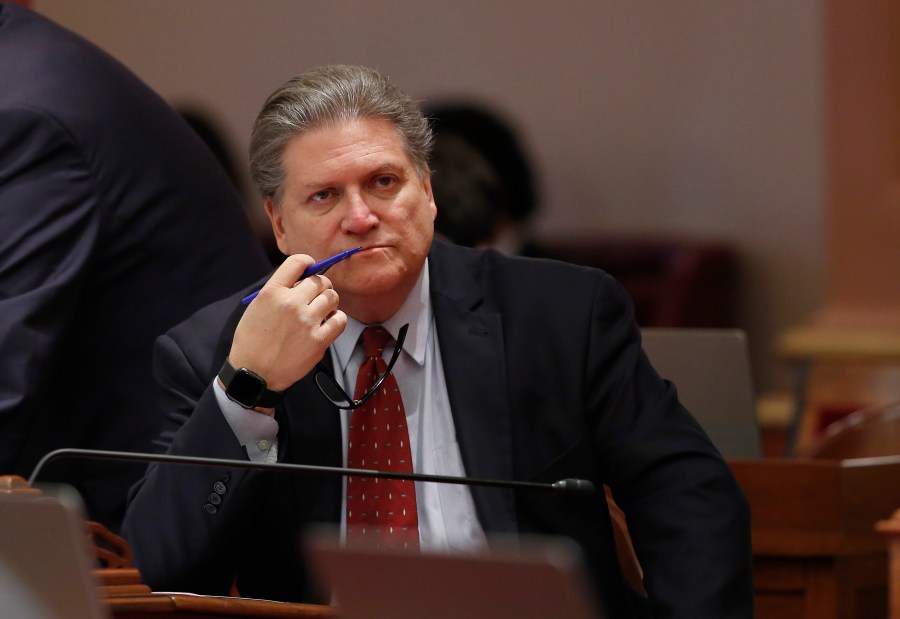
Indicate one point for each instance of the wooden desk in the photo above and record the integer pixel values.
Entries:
(890, 529)
(184, 606)
(816, 554)
(125, 594)
(128, 597)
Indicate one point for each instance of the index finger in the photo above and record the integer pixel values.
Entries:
(289, 272)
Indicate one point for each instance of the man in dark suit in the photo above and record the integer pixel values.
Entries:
(511, 368)
(116, 223)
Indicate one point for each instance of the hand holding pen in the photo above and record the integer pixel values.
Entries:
(286, 331)
(314, 269)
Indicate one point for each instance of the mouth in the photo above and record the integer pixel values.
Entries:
(371, 248)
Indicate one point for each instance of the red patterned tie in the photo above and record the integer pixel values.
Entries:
(380, 509)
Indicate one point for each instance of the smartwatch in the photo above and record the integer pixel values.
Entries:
(247, 388)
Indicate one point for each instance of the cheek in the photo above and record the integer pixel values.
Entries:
(304, 236)
(422, 229)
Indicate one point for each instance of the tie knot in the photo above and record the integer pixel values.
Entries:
(374, 341)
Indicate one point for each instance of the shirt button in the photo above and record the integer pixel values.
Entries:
(263, 445)
(214, 498)
(220, 488)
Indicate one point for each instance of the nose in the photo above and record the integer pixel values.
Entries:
(359, 218)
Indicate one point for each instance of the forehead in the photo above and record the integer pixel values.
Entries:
(347, 145)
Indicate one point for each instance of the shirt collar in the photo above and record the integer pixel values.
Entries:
(416, 310)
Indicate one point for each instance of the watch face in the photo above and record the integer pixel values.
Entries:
(246, 387)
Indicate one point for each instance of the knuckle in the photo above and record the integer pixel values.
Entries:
(295, 260)
(265, 294)
(316, 282)
(340, 319)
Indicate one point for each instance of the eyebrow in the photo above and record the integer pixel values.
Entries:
(386, 166)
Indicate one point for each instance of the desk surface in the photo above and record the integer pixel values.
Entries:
(210, 607)
(840, 344)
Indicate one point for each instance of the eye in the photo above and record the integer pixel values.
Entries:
(321, 196)
(384, 181)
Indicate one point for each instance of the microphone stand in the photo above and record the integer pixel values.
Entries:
(570, 487)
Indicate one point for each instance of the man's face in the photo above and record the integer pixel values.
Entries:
(353, 185)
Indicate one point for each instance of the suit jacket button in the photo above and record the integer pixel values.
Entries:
(220, 487)
(214, 498)
(210, 508)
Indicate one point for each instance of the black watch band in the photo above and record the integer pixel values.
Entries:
(247, 388)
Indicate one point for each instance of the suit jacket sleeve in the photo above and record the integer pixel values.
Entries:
(50, 222)
(689, 520)
(200, 529)
(184, 522)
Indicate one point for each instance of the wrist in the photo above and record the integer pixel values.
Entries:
(247, 388)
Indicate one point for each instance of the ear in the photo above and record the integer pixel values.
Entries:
(277, 219)
(426, 184)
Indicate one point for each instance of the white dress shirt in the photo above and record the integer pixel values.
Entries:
(447, 519)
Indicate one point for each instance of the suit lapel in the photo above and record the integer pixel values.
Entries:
(471, 344)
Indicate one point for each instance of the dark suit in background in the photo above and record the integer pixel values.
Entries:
(541, 388)
(116, 223)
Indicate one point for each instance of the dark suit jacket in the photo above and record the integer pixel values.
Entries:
(116, 223)
(546, 379)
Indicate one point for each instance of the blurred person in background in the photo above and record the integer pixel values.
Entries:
(116, 222)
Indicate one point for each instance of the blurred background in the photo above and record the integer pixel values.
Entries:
(698, 122)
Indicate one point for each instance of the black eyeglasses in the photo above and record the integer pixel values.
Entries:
(336, 394)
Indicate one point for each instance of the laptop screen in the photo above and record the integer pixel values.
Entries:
(535, 578)
(711, 370)
(45, 561)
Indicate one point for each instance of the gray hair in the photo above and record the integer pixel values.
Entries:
(328, 96)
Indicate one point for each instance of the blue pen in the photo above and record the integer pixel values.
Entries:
(313, 269)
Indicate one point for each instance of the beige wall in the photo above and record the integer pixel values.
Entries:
(696, 118)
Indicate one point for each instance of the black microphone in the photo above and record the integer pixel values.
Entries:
(568, 487)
